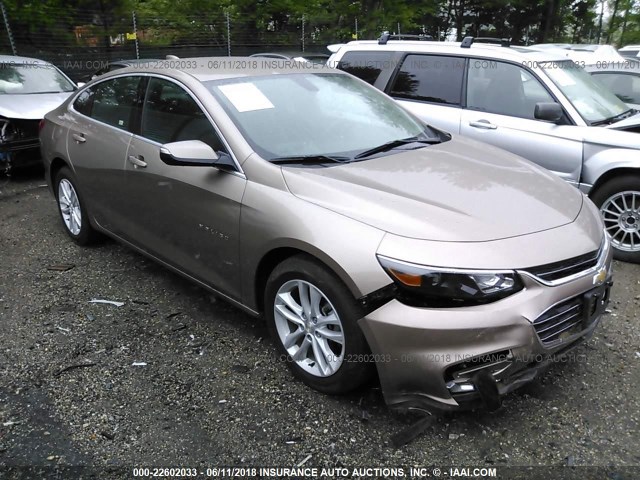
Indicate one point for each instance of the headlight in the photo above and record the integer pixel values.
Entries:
(7, 131)
(423, 286)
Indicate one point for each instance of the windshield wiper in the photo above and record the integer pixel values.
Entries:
(385, 147)
(310, 159)
(615, 118)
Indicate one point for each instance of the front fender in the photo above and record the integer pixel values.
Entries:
(599, 161)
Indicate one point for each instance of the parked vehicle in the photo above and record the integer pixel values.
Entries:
(580, 53)
(622, 78)
(118, 64)
(364, 236)
(317, 58)
(29, 88)
(630, 51)
(621, 75)
(536, 104)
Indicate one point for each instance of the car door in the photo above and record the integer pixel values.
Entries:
(186, 216)
(430, 86)
(500, 105)
(97, 142)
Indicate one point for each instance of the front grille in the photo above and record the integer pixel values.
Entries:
(27, 128)
(565, 268)
(564, 317)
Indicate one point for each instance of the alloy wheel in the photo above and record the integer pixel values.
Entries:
(69, 206)
(309, 328)
(621, 214)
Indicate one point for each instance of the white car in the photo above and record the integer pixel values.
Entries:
(537, 104)
(29, 88)
(630, 51)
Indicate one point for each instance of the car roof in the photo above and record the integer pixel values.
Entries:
(17, 59)
(203, 69)
(291, 54)
(630, 47)
(134, 61)
(482, 50)
(585, 54)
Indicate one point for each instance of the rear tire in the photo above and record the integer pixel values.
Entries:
(619, 202)
(71, 207)
(308, 308)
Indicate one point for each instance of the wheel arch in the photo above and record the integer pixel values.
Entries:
(611, 174)
(600, 166)
(278, 254)
(56, 165)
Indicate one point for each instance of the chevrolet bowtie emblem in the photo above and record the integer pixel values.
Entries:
(600, 277)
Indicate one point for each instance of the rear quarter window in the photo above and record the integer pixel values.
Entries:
(84, 102)
(366, 66)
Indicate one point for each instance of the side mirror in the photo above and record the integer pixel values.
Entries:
(80, 84)
(549, 111)
(194, 153)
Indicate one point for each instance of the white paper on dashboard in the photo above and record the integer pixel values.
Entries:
(245, 97)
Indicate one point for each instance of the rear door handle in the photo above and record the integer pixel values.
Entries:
(485, 124)
(78, 138)
(137, 161)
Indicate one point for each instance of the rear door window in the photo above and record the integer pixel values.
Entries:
(366, 66)
(114, 102)
(430, 78)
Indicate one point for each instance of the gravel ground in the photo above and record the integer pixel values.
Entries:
(210, 392)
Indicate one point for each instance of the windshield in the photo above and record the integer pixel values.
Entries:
(595, 103)
(313, 114)
(32, 78)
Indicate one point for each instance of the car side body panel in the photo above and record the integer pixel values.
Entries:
(554, 147)
(600, 160)
(262, 232)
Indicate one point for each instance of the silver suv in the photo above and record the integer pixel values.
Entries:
(537, 104)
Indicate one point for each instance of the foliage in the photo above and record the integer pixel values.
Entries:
(327, 21)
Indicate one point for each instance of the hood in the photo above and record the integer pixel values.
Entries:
(631, 122)
(30, 106)
(458, 191)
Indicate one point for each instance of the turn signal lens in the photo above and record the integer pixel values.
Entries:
(407, 278)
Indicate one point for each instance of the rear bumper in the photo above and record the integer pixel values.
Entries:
(432, 358)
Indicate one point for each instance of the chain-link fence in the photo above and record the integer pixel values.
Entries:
(83, 42)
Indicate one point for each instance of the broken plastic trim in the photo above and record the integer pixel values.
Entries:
(488, 389)
(378, 298)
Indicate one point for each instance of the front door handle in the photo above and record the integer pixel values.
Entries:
(137, 161)
(485, 124)
(78, 138)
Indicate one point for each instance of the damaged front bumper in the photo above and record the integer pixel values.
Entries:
(19, 144)
(460, 358)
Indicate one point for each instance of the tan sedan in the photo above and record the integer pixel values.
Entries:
(366, 238)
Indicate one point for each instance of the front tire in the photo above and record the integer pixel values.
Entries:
(619, 202)
(72, 208)
(312, 318)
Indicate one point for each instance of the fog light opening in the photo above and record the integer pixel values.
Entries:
(460, 387)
